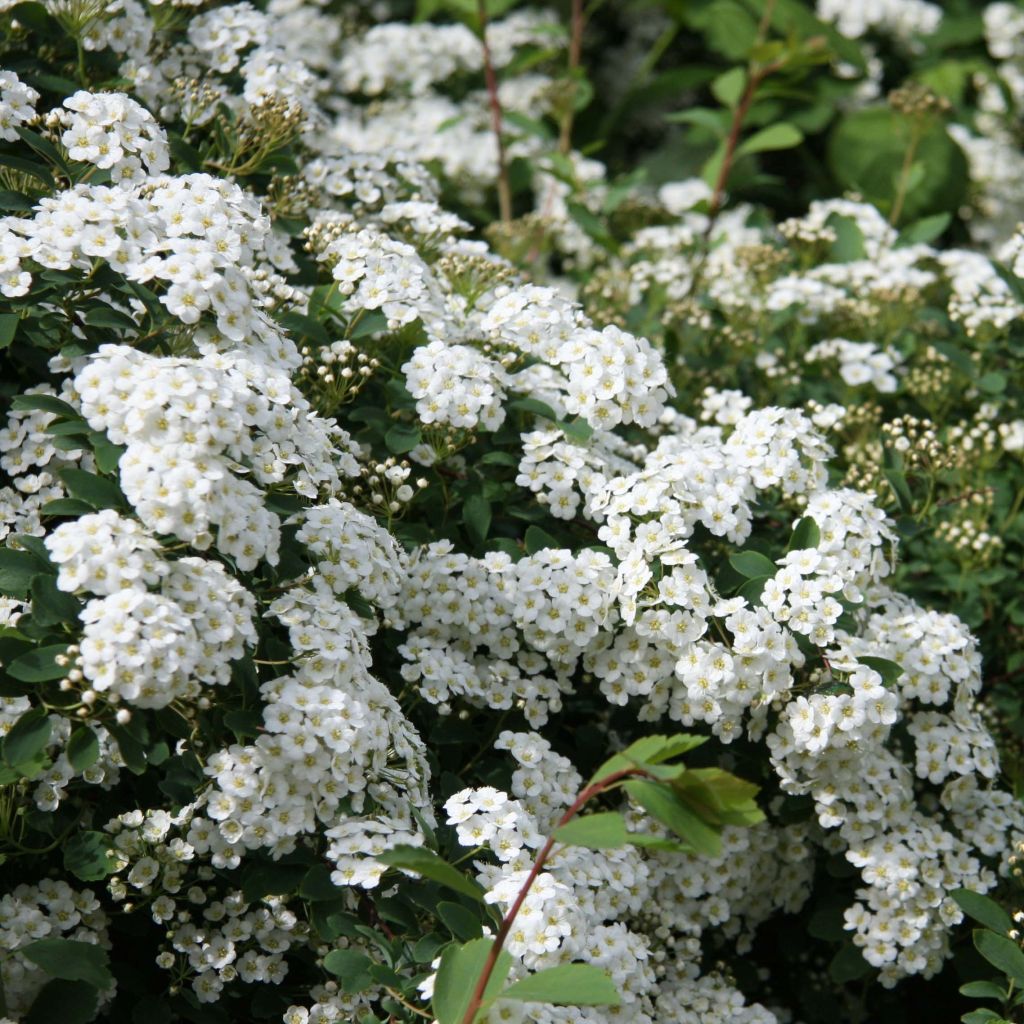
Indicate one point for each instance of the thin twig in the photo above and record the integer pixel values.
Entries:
(575, 51)
(491, 81)
(594, 789)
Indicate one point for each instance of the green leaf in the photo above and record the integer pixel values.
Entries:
(605, 830)
(50, 605)
(806, 534)
(8, 328)
(751, 590)
(777, 136)
(45, 403)
(648, 751)
(1002, 953)
(728, 87)
(107, 455)
(402, 438)
(39, 666)
(104, 316)
(665, 806)
(535, 406)
(866, 152)
(898, 481)
(71, 960)
(718, 797)
(578, 430)
(476, 513)
(848, 965)
(993, 383)
(83, 749)
(428, 864)
(925, 230)
(97, 491)
(351, 968)
(459, 920)
(890, 671)
(566, 985)
(983, 909)
(457, 977)
(70, 1002)
(983, 990)
(983, 1015)
(27, 738)
(17, 570)
(752, 564)
(849, 243)
(537, 539)
(67, 507)
(85, 856)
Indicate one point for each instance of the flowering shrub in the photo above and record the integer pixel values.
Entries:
(363, 555)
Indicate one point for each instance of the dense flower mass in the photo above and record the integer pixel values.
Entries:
(349, 528)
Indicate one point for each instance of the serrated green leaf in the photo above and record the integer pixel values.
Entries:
(566, 985)
(69, 1002)
(458, 975)
(718, 797)
(604, 830)
(71, 960)
(665, 806)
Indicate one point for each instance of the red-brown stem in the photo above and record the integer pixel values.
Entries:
(754, 80)
(491, 81)
(755, 76)
(575, 50)
(586, 794)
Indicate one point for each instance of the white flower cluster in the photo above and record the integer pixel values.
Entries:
(377, 272)
(331, 732)
(905, 20)
(51, 785)
(17, 105)
(860, 362)
(611, 377)
(115, 133)
(157, 630)
(49, 910)
(211, 936)
(205, 438)
(457, 385)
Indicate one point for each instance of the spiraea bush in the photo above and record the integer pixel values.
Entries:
(449, 576)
